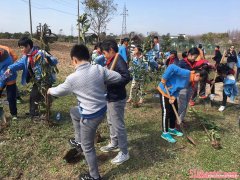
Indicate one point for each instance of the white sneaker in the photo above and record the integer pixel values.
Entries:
(212, 96)
(222, 108)
(108, 148)
(120, 158)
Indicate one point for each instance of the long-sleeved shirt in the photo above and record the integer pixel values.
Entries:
(218, 56)
(88, 84)
(123, 52)
(117, 91)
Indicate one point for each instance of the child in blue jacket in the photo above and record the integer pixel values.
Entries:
(175, 79)
(230, 89)
(30, 64)
(8, 81)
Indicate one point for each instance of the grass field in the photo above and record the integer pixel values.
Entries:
(31, 150)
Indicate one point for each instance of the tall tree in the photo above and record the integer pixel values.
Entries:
(100, 13)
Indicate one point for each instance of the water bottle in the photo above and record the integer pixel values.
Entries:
(58, 116)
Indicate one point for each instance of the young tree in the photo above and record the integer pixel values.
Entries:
(100, 13)
(166, 42)
(84, 26)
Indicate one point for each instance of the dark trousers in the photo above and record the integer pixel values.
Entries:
(11, 97)
(217, 80)
(35, 98)
(168, 115)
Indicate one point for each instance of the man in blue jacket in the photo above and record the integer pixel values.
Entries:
(116, 97)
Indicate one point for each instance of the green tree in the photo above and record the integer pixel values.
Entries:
(181, 41)
(84, 26)
(100, 13)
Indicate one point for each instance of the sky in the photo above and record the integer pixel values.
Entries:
(191, 17)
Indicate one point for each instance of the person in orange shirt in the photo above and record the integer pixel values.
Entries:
(10, 51)
(14, 56)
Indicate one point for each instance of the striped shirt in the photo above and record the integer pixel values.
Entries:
(88, 84)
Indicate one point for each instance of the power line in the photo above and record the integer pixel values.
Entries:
(66, 4)
(49, 8)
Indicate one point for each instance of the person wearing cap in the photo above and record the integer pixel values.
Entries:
(8, 81)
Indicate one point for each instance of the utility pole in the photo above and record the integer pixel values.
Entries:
(124, 22)
(78, 25)
(30, 14)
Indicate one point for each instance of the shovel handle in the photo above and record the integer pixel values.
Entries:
(114, 62)
(174, 108)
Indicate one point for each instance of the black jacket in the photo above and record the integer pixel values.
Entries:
(117, 91)
(231, 57)
(217, 57)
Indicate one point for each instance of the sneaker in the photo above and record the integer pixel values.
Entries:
(156, 95)
(109, 148)
(75, 144)
(191, 103)
(202, 97)
(129, 100)
(14, 118)
(222, 108)
(19, 100)
(212, 96)
(168, 137)
(174, 132)
(120, 158)
(87, 177)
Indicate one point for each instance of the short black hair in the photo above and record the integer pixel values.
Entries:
(25, 41)
(203, 73)
(184, 54)
(126, 40)
(80, 51)
(223, 69)
(155, 37)
(174, 52)
(108, 44)
(200, 46)
(139, 47)
(217, 47)
(98, 45)
(194, 51)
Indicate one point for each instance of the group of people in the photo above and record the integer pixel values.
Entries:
(99, 84)
(32, 71)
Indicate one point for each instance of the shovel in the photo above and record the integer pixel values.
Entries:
(179, 121)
